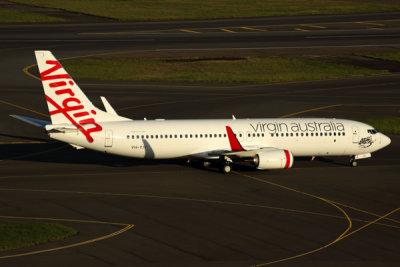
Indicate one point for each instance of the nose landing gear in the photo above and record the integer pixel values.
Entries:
(353, 162)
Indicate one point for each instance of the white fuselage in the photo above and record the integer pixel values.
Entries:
(160, 139)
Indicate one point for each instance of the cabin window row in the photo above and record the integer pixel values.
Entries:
(170, 136)
(308, 134)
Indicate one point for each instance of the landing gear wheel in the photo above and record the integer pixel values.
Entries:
(205, 164)
(353, 162)
(226, 168)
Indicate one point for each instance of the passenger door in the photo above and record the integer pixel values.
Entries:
(109, 139)
(355, 135)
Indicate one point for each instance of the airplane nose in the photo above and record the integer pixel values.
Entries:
(385, 141)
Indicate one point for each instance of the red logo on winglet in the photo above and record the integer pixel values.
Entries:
(235, 145)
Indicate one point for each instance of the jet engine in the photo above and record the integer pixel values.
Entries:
(273, 159)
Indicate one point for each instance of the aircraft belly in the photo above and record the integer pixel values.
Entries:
(324, 148)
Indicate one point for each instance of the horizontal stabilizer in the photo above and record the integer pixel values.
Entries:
(36, 122)
(107, 106)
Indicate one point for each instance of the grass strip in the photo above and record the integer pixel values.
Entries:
(246, 69)
(392, 56)
(13, 16)
(384, 125)
(194, 9)
(22, 234)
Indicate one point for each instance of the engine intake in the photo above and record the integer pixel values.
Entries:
(274, 159)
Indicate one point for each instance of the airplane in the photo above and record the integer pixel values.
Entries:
(263, 143)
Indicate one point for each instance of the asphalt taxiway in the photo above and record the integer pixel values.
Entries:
(169, 213)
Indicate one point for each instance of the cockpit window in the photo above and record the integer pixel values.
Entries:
(372, 131)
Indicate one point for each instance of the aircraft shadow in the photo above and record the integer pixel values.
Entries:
(24, 137)
(57, 152)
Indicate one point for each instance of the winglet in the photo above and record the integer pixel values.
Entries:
(233, 141)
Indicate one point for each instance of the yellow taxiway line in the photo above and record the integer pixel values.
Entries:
(124, 229)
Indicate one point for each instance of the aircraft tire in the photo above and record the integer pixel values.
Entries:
(353, 163)
(226, 168)
(205, 164)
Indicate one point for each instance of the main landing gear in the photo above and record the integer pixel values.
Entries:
(225, 165)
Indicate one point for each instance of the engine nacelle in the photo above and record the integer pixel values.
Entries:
(273, 159)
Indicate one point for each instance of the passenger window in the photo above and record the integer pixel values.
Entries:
(312, 134)
(343, 134)
(330, 134)
(176, 136)
(297, 134)
(291, 134)
(334, 134)
(306, 134)
(302, 134)
(127, 137)
(326, 134)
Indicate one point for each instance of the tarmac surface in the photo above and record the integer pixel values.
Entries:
(170, 213)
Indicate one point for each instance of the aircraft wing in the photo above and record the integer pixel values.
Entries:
(251, 152)
(237, 150)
